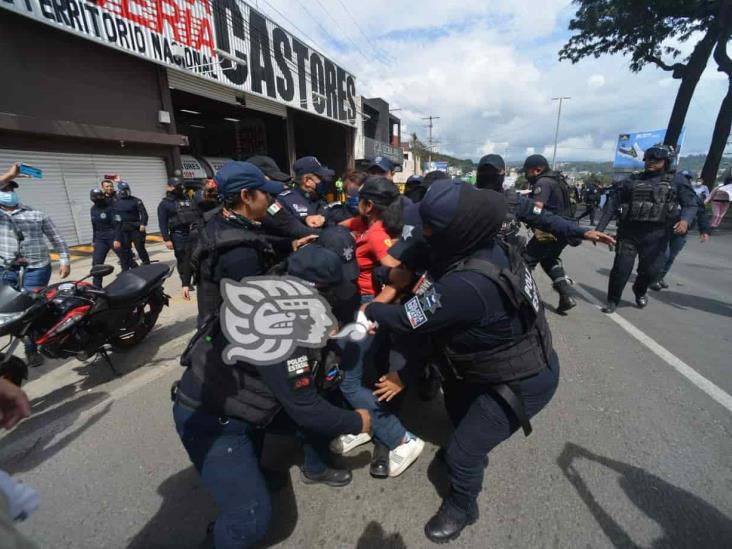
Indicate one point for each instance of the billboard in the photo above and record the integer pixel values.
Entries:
(631, 146)
(432, 166)
(223, 41)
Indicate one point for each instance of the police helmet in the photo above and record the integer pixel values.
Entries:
(175, 182)
(123, 186)
(658, 152)
(97, 194)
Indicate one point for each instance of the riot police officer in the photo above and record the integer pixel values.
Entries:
(304, 200)
(550, 191)
(648, 203)
(484, 313)
(176, 215)
(590, 196)
(103, 229)
(131, 217)
(222, 410)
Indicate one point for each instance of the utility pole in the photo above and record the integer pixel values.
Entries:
(430, 118)
(556, 133)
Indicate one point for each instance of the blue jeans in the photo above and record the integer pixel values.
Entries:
(387, 427)
(226, 452)
(35, 279)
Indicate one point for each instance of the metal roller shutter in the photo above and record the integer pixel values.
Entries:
(200, 86)
(63, 193)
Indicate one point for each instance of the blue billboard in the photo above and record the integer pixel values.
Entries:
(631, 146)
(432, 166)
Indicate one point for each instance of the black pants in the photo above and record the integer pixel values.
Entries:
(589, 210)
(482, 421)
(137, 238)
(547, 254)
(649, 245)
(102, 245)
(180, 242)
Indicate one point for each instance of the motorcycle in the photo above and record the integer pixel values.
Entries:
(79, 320)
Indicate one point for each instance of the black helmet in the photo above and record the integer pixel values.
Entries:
(97, 194)
(175, 181)
(658, 152)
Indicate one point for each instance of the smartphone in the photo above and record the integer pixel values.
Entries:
(30, 171)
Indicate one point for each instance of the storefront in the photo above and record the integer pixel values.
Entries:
(130, 87)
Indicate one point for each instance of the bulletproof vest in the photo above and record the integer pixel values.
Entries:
(103, 218)
(511, 226)
(528, 354)
(651, 200)
(235, 390)
(185, 214)
(127, 209)
(565, 209)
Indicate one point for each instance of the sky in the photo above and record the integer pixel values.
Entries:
(489, 70)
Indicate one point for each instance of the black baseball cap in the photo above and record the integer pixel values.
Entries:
(494, 160)
(383, 163)
(310, 164)
(535, 161)
(269, 167)
(316, 264)
(340, 241)
(379, 190)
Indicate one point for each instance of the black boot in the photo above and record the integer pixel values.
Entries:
(656, 286)
(663, 283)
(447, 524)
(566, 302)
(331, 477)
(641, 301)
(610, 307)
(380, 461)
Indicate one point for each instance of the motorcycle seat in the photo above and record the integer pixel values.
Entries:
(135, 283)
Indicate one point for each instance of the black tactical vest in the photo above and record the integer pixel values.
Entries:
(185, 215)
(651, 200)
(511, 227)
(562, 188)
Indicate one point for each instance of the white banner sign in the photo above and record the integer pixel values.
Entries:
(225, 41)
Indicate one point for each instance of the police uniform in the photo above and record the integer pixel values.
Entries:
(648, 203)
(222, 411)
(590, 197)
(300, 205)
(546, 250)
(103, 232)
(130, 214)
(486, 318)
(176, 215)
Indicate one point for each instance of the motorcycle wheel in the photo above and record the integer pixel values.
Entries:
(15, 370)
(150, 311)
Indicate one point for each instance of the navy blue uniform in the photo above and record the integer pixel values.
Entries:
(646, 239)
(176, 215)
(130, 213)
(300, 205)
(103, 235)
(590, 197)
(470, 313)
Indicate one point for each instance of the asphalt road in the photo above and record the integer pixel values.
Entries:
(630, 453)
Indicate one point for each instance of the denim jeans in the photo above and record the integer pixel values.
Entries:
(35, 279)
(675, 245)
(226, 452)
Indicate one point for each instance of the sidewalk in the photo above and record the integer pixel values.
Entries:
(85, 250)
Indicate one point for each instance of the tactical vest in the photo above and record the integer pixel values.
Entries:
(651, 200)
(525, 356)
(563, 188)
(511, 227)
(185, 215)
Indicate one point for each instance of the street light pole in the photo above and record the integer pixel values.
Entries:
(556, 133)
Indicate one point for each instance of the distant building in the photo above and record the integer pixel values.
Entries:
(411, 164)
(378, 132)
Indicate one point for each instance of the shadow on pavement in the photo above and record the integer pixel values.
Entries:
(375, 537)
(39, 452)
(686, 520)
(687, 301)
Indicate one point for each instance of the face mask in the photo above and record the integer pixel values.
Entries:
(352, 202)
(490, 181)
(531, 178)
(8, 198)
(124, 194)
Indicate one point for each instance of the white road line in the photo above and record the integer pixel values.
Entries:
(667, 356)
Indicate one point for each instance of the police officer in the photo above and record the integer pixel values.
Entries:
(176, 215)
(221, 411)
(304, 200)
(103, 229)
(131, 217)
(381, 165)
(590, 196)
(551, 192)
(648, 203)
(484, 312)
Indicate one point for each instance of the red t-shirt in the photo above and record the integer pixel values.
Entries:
(372, 244)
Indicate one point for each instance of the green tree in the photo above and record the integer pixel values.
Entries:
(641, 29)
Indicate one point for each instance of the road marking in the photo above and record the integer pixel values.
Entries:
(667, 356)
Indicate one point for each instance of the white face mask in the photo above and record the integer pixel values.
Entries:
(8, 198)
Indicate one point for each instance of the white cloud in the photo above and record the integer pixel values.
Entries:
(488, 69)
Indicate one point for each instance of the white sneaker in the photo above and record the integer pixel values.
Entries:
(345, 443)
(404, 455)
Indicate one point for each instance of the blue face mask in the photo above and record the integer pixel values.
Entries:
(352, 202)
(8, 198)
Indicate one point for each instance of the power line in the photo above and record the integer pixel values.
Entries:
(374, 46)
(430, 118)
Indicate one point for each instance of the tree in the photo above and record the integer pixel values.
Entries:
(723, 124)
(641, 29)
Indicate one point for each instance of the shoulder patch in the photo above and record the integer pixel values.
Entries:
(430, 300)
(537, 190)
(274, 208)
(537, 210)
(285, 193)
(415, 314)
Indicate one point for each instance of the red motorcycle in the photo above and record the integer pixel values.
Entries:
(78, 319)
